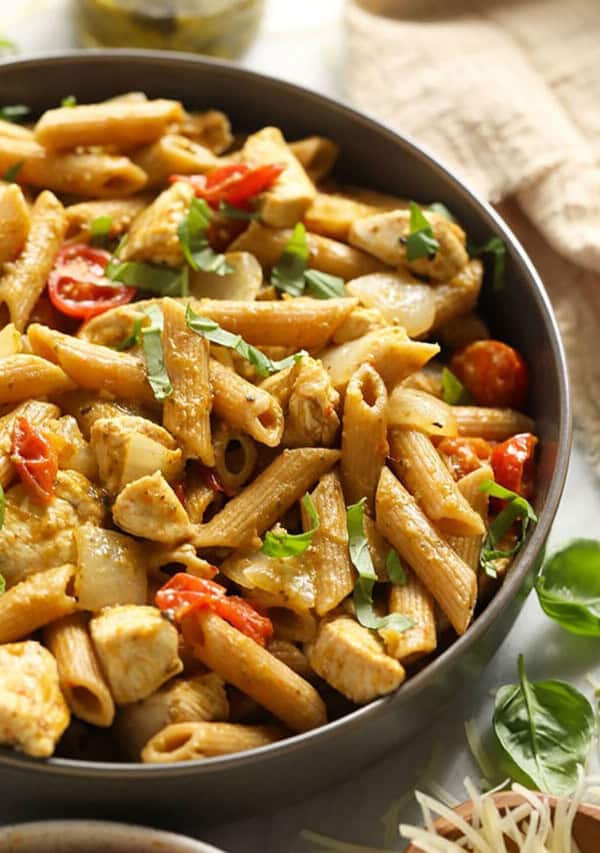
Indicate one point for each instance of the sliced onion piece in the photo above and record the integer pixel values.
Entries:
(243, 283)
(409, 408)
(400, 299)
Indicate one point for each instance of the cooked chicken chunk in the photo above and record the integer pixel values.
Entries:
(384, 235)
(36, 537)
(137, 649)
(153, 235)
(352, 660)
(33, 712)
(149, 507)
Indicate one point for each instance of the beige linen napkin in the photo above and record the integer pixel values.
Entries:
(507, 92)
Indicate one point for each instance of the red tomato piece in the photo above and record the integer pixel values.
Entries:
(235, 184)
(464, 455)
(35, 459)
(513, 466)
(78, 287)
(493, 372)
(185, 594)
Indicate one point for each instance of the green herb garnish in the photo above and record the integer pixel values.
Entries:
(100, 230)
(568, 587)
(69, 101)
(232, 212)
(363, 589)
(282, 544)
(151, 335)
(453, 391)
(545, 729)
(516, 508)
(12, 172)
(394, 567)
(420, 242)
(210, 330)
(497, 247)
(291, 274)
(193, 236)
(14, 113)
(133, 338)
(324, 286)
(151, 278)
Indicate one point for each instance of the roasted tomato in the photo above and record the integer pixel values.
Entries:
(513, 466)
(78, 287)
(493, 372)
(235, 184)
(464, 455)
(35, 459)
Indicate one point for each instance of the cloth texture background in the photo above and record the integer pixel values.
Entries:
(507, 93)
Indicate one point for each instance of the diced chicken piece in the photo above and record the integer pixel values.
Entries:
(129, 447)
(360, 322)
(137, 649)
(284, 204)
(36, 537)
(33, 712)
(149, 508)
(153, 235)
(352, 661)
(384, 236)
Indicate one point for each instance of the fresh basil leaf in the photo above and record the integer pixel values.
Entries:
(14, 112)
(438, 207)
(568, 587)
(193, 237)
(133, 338)
(283, 544)
(151, 278)
(158, 377)
(420, 242)
(288, 273)
(394, 567)
(517, 508)
(363, 589)
(324, 286)
(69, 101)
(453, 391)
(11, 173)
(545, 728)
(100, 230)
(497, 247)
(263, 365)
(232, 212)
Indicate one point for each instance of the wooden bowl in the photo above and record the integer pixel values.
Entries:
(586, 826)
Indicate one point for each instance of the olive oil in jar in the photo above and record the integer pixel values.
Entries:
(222, 28)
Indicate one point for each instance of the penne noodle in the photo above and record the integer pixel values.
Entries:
(210, 128)
(414, 409)
(316, 154)
(245, 406)
(288, 624)
(15, 221)
(15, 131)
(491, 424)
(332, 215)
(459, 295)
(191, 741)
(468, 548)
(36, 601)
(235, 457)
(120, 211)
(411, 599)
(364, 435)
(173, 155)
(446, 576)
(291, 656)
(23, 376)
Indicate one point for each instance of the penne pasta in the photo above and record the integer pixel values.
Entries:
(210, 128)
(316, 154)
(468, 548)
(416, 409)
(491, 424)
(191, 741)
(411, 599)
(333, 215)
(23, 376)
(15, 222)
(173, 154)
(235, 457)
(458, 296)
(244, 406)
(121, 212)
(35, 602)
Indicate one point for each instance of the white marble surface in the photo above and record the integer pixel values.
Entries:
(303, 42)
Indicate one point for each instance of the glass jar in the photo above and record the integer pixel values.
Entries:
(222, 28)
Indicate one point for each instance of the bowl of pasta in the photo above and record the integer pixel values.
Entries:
(284, 427)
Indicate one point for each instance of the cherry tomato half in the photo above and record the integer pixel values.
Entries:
(493, 372)
(35, 459)
(464, 455)
(512, 462)
(78, 287)
(235, 184)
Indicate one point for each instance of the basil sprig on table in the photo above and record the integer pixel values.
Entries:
(100, 230)
(496, 247)
(282, 544)
(210, 330)
(545, 728)
(568, 587)
(151, 337)
(193, 237)
(14, 112)
(420, 242)
(151, 278)
(517, 508)
(453, 391)
(363, 589)
(291, 274)
(12, 172)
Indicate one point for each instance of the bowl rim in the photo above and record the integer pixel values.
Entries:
(521, 566)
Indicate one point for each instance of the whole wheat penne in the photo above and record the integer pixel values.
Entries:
(333, 215)
(23, 376)
(289, 625)
(120, 211)
(173, 155)
(235, 457)
(329, 256)
(253, 670)
(245, 406)
(266, 499)
(186, 412)
(468, 548)
(374, 198)
(329, 555)
(153, 235)
(291, 656)
(412, 408)
(16, 131)
(446, 576)
(39, 599)
(316, 154)
(81, 680)
(459, 295)
(14, 221)
(23, 281)
(364, 435)
(210, 128)
(189, 741)
(491, 424)
(116, 123)
(411, 599)
(199, 496)
(35, 413)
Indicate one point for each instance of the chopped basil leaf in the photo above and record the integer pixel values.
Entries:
(69, 101)
(158, 377)
(11, 173)
(100, 230)
(324, 286)
(151, 278)
(496, 247)
(282, 544)
(288, 272)
(453, 391)
(516, 508)
(568, 587)
(420, 242)
(363, 589)
(394, 567)
(232, 212)
(14, 113)
(210, 330)
(133, 338)
(193, 236)
(438, 207)
(545, 729)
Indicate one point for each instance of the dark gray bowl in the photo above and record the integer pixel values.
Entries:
(374, 156)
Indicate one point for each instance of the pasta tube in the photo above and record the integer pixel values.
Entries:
(316, 154)
(491, 424)
(245, 406)
(235, 457)
(191, 741)
(23, 376)
(121, 212)
(459, 295)
(173, 155)
(468, 548)
(14, 222)
(35, 601)
(411, 599)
